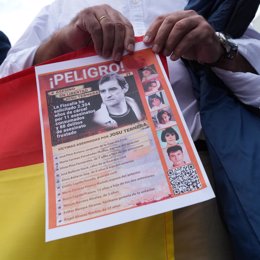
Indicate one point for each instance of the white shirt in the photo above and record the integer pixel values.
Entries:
(140, 13)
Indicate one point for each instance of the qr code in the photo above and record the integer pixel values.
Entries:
(184, 179)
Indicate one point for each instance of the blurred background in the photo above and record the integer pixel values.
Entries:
(16, 15)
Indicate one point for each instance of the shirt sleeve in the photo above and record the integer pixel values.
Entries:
(21, 55)
(245, 86)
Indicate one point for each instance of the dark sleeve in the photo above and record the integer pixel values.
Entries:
(5, 45)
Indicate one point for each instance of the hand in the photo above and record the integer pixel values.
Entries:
(184, 34)
(109, 31)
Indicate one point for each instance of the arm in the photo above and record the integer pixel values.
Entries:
(187, 34)
(20, 56)
(109, 31)
(49, 35)
(246, 86)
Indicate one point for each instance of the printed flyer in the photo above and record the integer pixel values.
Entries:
(116, 147)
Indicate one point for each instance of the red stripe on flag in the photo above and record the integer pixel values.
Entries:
(20, 124)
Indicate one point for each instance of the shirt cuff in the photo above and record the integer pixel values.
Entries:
(18, 61)
(245, 86)
(248, 49)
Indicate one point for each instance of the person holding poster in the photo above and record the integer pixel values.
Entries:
(116, 109)
(80, 23)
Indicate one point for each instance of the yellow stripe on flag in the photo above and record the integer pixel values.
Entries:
(22, 236)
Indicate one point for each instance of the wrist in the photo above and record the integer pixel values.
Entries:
(229, 50)
(231, 59)
(237, 64)
(51, 48)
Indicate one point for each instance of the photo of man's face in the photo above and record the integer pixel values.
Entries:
(111, 93)
(177, 158)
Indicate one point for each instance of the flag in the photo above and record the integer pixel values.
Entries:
(22, 195)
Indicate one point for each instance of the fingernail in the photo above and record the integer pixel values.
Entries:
(156, 48)
(130, 47)
(147, 38)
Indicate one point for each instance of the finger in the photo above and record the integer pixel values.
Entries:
(119, 34)
(108, 30)
(129, 42)
(152, 30)
(197, 39)
(159, 31)
(104, 17)
(184, 49)
(166, 27)
(118, 41)
(162, 35)
(178, 32)
(111, 32)
(91, 24)
(124, 34)
(83, 26)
